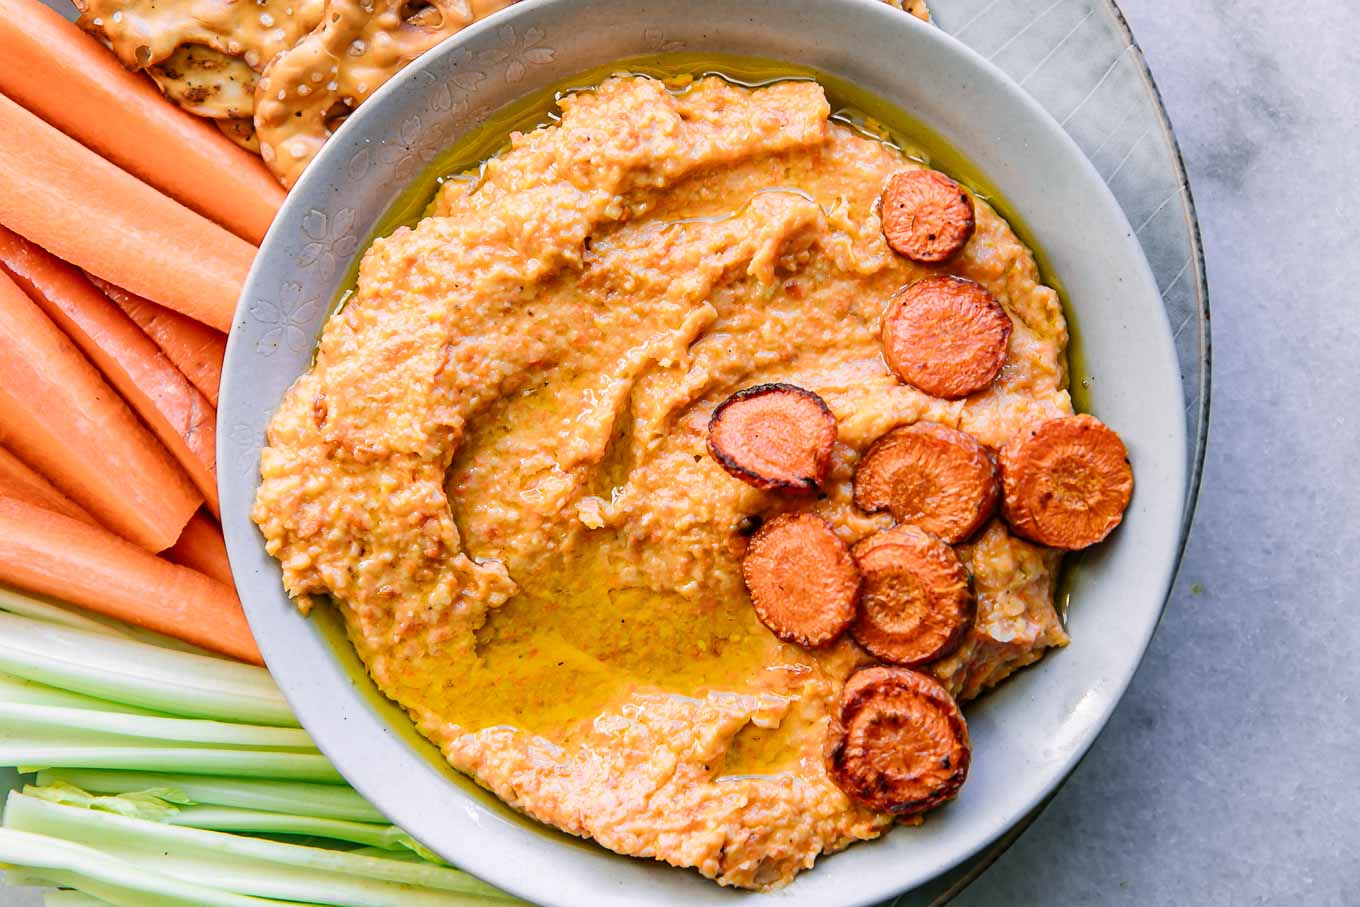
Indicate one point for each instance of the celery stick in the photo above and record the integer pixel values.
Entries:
(251, 866)
(327, 801)
(21, 720)
(140, 674)
(252, 821)
(408, 855)
(174, 807)
(18, 690)
(53, 611)
(27, 605)
(29, 756)
(53, 861)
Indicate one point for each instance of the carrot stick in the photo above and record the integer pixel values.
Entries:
(78, 206)
(51, 554)
(196, 349)
(18, 480)
(71, 81)
(172, 408)
(59, 417)
(202, 548)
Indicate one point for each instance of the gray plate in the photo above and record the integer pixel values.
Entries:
(1086, 49)
(1079, 59)
(1030, 733)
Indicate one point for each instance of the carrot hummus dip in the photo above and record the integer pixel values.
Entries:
(578, 463)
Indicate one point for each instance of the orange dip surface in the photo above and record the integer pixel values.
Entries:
(497, 466)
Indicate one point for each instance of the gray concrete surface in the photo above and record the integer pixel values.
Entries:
(1229, 775)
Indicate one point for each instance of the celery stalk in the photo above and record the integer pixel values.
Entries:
(251, 821)
(53, 861)
(42, 608)
(33, 755)
(326, 801)
(250, 866)
(140, 674)
(173, 806)
(27, 605)
(71, 899)
(21, 721)
(18, 690)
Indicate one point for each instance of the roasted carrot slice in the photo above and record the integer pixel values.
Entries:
(946, 336)
(900, 745)
(1066, 482)
(803, 582)
(927, 217)
(931, 476)
(916, 601)
(774, 436)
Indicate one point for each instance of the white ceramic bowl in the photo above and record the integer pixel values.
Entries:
(1028, 734)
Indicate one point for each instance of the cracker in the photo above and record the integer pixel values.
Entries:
(206, 82)
(306, 92)
(240, 130)
(205, 54)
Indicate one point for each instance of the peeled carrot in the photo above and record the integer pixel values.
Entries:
(78, 206)
(931, 476)
(775, 437)
(196, 349)
(917, 600)
(54, 555)
(202, 548)
(174, 410)
(59, 416)
(946, 336)
(19, 480)
(804, 584)
(899, 743)
(66, 77)
(927, 217)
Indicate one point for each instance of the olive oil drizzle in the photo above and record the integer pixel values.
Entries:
(855, 108)
(465, 161)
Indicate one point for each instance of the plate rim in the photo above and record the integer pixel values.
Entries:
(984, 861)
(867, 7)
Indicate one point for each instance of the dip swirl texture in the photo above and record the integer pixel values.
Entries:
(497, 465)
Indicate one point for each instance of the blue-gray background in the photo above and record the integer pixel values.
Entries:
(1230, 774)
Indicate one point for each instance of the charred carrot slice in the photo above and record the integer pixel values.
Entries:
(1066, 482)
(927, 217)
(900, 745)
(931, 476)
(916, 600)
(946, 336)
(774, 437)
(803, 582)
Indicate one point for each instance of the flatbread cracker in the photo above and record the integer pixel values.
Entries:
(207, 82)
(240, 130)
(306, 92)
(278, 63)
(205, 54)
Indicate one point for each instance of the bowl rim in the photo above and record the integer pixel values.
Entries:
(240, 526)
(967, 875)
